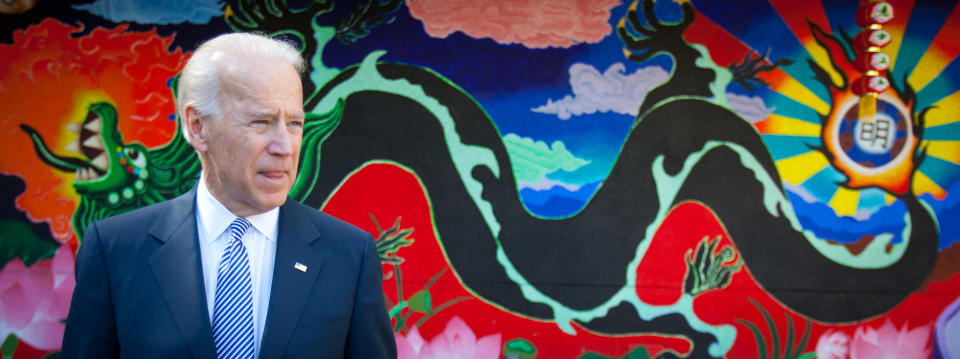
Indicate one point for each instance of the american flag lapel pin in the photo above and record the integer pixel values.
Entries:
(300, 267)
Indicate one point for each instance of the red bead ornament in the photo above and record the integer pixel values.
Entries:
(870, 61)
(874, 12)
(872, 38)
(876, 61)
(870, 84)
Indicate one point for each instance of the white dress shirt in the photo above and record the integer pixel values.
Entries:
(260, 240)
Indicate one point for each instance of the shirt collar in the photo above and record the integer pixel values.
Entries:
(214, 218)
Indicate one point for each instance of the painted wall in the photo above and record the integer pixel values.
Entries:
(554, 179)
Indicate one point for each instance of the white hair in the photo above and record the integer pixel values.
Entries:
(200, 80)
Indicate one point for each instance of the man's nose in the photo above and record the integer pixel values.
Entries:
(281, 141)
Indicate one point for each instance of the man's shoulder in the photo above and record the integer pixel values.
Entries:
(327, 224)
(140, 219)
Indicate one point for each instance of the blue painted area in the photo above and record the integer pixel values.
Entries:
(824, 184)
(667, 11)
(557, 202)
(871, 200)
(508, 81)
(758, 25)
(925, 22)
(842, 15)
(788, 107)
(783, 146)
(482, 67)
(874, 159)
(945, 84)
(735, 88)
(596, 137)
(822, 220)
(156, 12)
(556, 207)
(940, 171)
(609, 51)
(948, 211)
(945, 132)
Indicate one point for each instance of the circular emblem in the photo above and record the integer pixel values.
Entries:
(877, 142)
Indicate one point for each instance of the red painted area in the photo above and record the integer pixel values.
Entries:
(660, 274)
(796, 15)
(732, 303)
(946, 45)
(390, 192)
(725, 49)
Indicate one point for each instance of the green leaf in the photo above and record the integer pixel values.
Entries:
(803, 342)
(395, 311)
(774, 336)
(420, 302)
(519, 348)
(521, 345)
(639, 352)
(18, 240)
(789, 350)
(761, 343)
(9, 346)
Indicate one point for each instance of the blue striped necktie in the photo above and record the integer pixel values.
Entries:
(233, 303)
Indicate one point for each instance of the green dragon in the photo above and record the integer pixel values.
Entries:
(114, 176)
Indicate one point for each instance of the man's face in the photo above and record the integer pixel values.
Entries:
(253, 148)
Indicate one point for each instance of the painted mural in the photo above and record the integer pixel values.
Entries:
(545, 179)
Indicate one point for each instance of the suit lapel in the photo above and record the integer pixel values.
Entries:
(176, 264)
(291, 286)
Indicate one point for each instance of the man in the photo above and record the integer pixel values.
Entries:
(232, 268)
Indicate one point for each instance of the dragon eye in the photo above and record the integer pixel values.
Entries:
(136, 158)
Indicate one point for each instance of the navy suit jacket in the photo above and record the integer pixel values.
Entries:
(140, 292)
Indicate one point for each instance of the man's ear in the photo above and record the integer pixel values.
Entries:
(195, 128)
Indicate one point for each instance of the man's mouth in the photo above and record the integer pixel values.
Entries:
(274, 175)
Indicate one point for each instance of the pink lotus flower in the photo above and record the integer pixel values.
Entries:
(832, 345)
(890, 342)
(34, 301)
(456, 341)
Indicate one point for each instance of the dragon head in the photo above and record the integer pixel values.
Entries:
(111, 167)
(107, 169)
